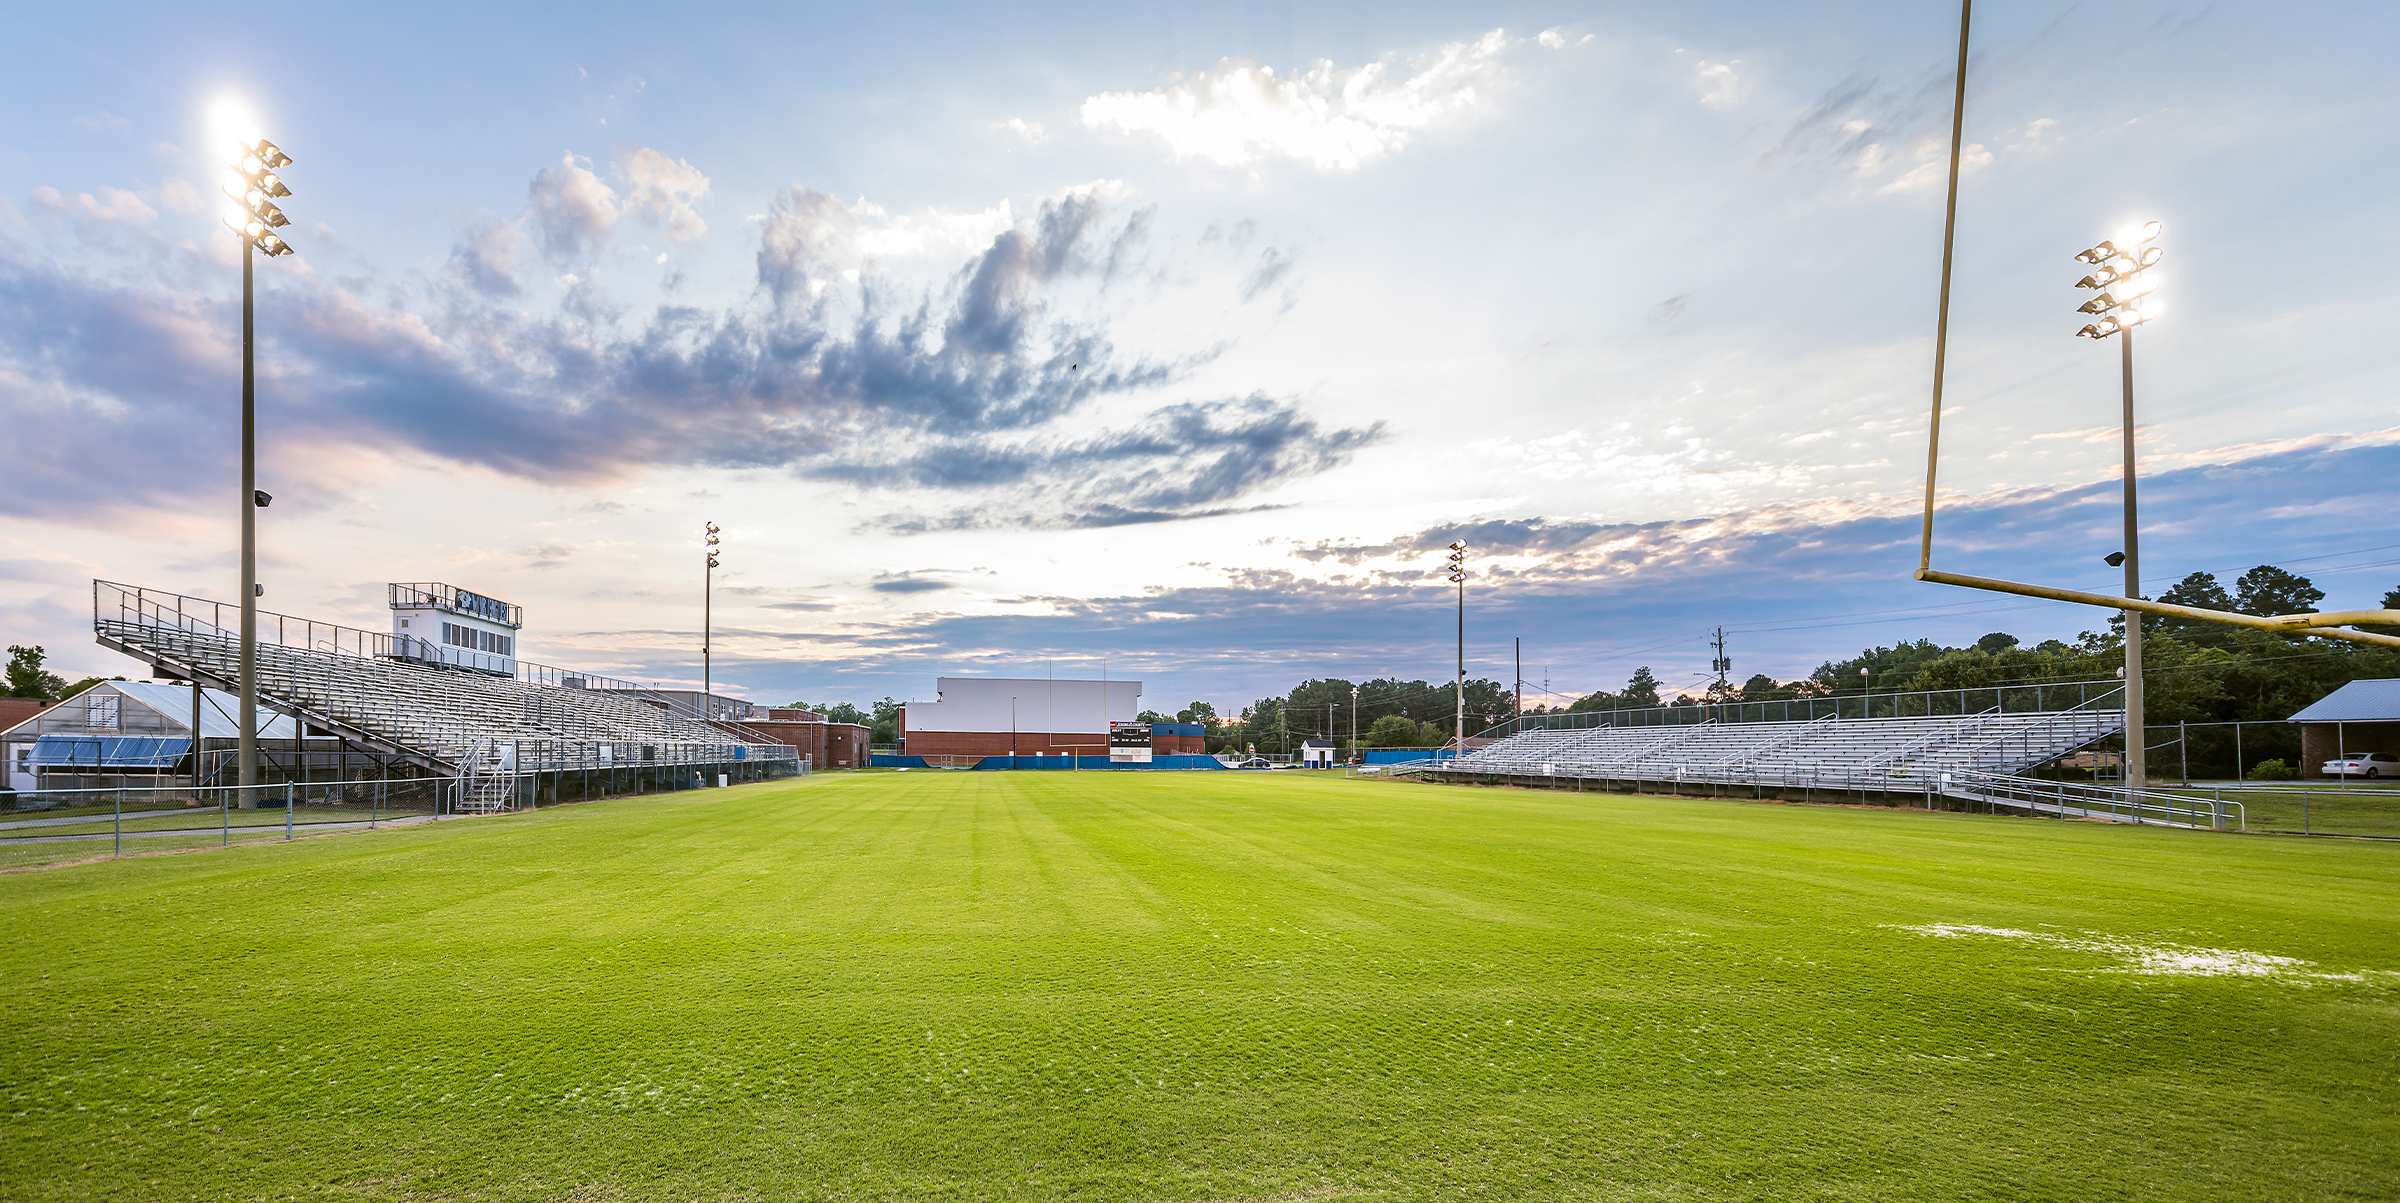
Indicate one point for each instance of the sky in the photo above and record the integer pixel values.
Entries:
(1177, 342)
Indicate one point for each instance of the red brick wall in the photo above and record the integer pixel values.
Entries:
(828, 745)
(17, 710)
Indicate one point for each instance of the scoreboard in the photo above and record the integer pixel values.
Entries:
(1129, 743)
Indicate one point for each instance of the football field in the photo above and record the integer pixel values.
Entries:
(1207, 986)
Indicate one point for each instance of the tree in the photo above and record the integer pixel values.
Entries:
(27, 678)
(886, 726)
(1642, 690)
(1394, 731)
(1763, 688)
(2199, 589)
(1995, 643)
(1198, 712)
(2267, 589)
(1151, 716)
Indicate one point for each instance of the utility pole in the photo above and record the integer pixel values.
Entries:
(1516, 721)
(1721, 665)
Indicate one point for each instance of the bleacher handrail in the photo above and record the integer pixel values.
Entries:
(1928, 703)
(159, 607)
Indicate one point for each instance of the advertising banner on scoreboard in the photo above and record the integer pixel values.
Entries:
(1129, 743)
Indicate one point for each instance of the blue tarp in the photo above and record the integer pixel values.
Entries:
(107, 751)
(1404, 755)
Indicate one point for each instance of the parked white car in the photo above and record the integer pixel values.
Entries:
(2364, 764)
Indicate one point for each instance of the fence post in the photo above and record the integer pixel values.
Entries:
(287, 810)
(120, 823)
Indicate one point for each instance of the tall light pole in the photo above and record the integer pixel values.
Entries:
(2124, 302)
(1354, 722)
(252, 184)
(708, 594)
(1458, 577)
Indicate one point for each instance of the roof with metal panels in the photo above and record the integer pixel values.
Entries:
(2357, 702)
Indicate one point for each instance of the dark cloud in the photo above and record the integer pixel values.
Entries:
(1184, 461)
(908, 582)
(947, 389)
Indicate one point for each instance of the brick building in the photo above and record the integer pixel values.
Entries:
(1020, 716)
(826, 745)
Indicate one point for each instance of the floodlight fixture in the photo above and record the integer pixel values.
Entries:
(2114, 558)
(2099, 254)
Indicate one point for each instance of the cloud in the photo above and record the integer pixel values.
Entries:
(907, 582)
(102, 122)
(663, 191)
(1031, 131)
(1185, 461)
(573, 211)
(111, 205)
(1237, 113)
(486, 259)
(1724, 84)
(809, 240)
(1273, 265)
(953, 386)
(1933, 169)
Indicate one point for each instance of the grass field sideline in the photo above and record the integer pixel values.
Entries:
(1207, 986)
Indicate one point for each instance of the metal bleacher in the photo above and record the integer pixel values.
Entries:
(1884, 755)
(352, 683)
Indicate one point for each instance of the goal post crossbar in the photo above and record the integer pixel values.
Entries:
(2329, 624)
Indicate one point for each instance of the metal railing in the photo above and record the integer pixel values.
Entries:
(2029, 698)
(2073, 799)
(135, 605)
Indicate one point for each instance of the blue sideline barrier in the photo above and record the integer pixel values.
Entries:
(1088, 764)
(1404, 755)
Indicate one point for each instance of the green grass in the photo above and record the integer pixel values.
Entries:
(1202, 987)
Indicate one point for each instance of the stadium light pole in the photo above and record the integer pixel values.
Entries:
(1354, 722)
(708, 594)
(2125, 302)
(251, 183)
(1458, 577)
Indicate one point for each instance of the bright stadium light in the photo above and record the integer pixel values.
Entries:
(251, 184)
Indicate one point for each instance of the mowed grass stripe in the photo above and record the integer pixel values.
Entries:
(1200, 986)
